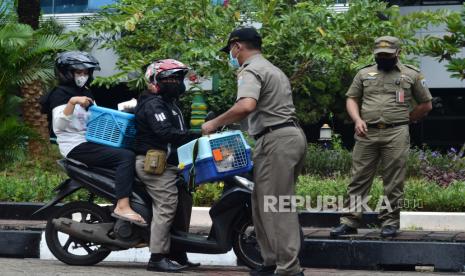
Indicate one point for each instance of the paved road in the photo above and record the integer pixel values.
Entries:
(36, 267)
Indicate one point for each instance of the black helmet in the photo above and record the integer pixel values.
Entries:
(66, 63)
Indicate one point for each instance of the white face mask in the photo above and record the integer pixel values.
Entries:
(81, 80)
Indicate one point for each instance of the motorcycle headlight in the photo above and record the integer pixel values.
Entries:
(245, 182)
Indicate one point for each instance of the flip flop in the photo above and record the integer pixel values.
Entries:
(125, 218)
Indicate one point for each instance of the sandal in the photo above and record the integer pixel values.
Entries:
(126, 217)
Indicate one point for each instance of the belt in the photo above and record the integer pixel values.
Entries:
(383, 125)
(275, 127)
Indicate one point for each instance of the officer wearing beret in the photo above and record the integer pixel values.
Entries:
(264, 97)
(382, 100)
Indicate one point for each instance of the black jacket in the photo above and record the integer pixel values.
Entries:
(160, 125)
(60, 95)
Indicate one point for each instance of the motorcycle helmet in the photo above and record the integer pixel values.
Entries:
(66, 63)
(165, 69)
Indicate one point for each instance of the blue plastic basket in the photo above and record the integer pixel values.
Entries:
(111, 127)
(207, 171)
(235, 157)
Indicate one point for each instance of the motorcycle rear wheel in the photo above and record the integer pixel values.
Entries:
(82, 253)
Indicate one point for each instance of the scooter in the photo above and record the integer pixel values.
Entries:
(85, 233)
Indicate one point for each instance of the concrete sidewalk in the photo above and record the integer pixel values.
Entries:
(35, 267)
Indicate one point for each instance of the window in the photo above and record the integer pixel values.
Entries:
(424, 2)
(72, 6)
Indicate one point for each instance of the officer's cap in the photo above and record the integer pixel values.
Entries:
(243, 34)
(386, 44)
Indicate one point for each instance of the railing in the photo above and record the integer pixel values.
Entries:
(69, 20)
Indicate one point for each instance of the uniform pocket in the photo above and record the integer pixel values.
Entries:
(370, 85)
(407, 87)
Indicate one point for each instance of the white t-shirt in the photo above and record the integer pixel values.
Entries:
(70, 130)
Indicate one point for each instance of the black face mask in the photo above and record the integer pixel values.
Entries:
(386, 64)
(172, 90)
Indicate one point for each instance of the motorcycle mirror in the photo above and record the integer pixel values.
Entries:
(210, 116)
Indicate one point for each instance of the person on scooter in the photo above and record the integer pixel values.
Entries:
(160, 130)
(68, 106)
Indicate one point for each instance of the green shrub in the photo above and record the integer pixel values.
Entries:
(206, 194)
(34, 180)
(327, 162)
(419, 194)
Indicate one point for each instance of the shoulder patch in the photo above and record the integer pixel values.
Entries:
(412, 67)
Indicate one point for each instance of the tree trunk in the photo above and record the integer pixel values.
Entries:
(32, 116)
(29, 12)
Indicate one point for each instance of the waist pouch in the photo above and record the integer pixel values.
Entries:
(155, 162)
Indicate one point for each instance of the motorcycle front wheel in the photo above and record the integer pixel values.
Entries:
(246, 247)
(245, 244)
(71, 250)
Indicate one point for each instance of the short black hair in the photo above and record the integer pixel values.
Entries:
(252, 45)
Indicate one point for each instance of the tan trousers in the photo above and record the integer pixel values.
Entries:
(278, 159)
(390, 147)
(164, 193)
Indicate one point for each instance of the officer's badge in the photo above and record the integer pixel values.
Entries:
(384, 44)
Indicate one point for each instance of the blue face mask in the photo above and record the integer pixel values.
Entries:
(233, 61)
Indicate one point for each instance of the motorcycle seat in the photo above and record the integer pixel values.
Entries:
(96, 172)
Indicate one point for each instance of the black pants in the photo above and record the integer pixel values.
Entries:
(121, 160)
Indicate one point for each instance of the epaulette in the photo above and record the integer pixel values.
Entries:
(412, 67)
(367, 66)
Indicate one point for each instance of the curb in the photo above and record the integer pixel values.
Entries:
(383, 255)
(24, 210)
(439, 221)
(20, 244)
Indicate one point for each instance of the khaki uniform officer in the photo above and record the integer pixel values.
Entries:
(380, 103)
(264, 97)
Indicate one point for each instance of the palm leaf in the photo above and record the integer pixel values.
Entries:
(14, 35)
(45, 44)
(37, 61)
(9, 105)
(14, 136)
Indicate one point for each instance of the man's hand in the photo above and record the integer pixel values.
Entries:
(361, 128)
(209, 127)
(240, 110)
(420, 111)
(82, 101)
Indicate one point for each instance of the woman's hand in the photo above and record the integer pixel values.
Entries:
(83, 101)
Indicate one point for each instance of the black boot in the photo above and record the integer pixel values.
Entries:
(388, 231)
(263, 270)
(342, 229)
(181, 258)
(162, 264)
